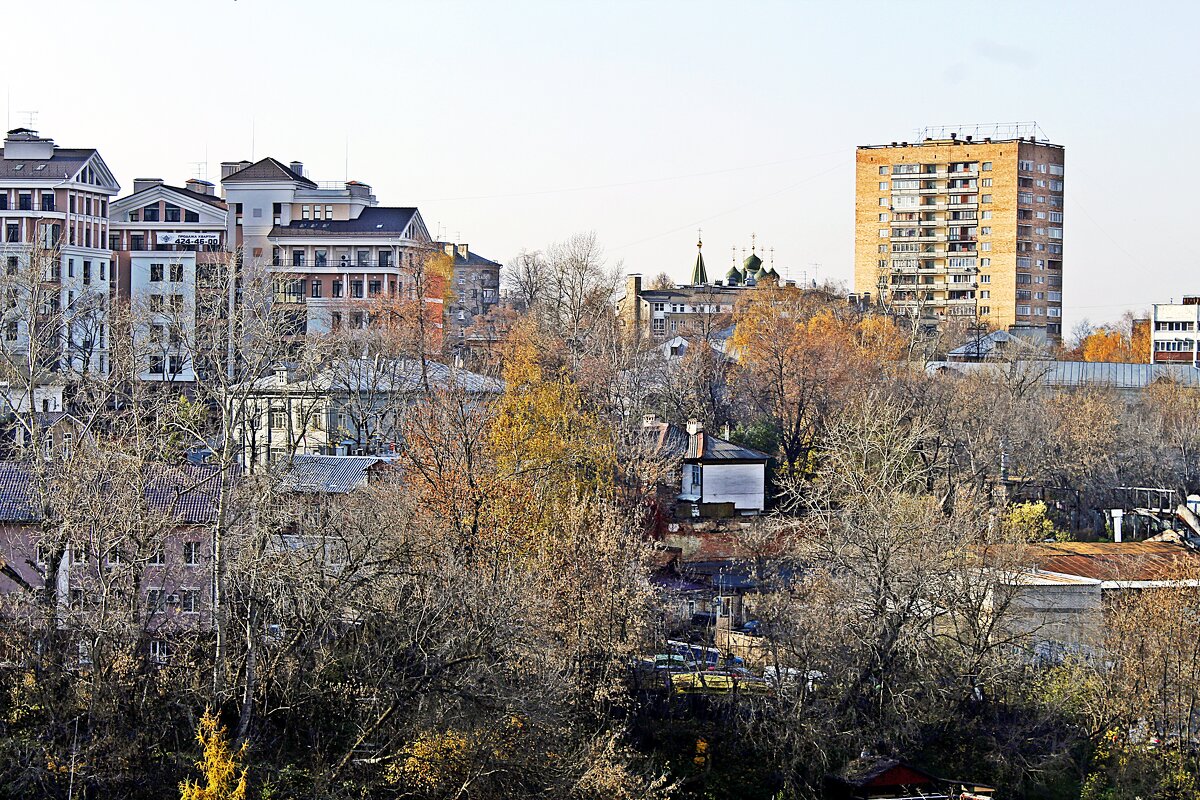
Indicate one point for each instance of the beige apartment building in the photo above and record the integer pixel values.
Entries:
(963, 227)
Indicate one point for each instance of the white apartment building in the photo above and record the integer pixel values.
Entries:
(56, 199)
(331, 245)
(1173, 332)
(165, 239)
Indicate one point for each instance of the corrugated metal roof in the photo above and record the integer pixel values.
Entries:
(706, 447)
(329, 474)
(187, 492)
(1116, 561)
(370, 375)
(1069, 374)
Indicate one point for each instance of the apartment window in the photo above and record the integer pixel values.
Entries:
(1056, 216)
(322, 258)
(985, 246)
(985, 294)
(25, 202)
(1025, 166)
(47, 201)
(985, 310)
(316, 288)
(328, 212)
(305, 212)
(172, 213)
(1023, 278)
(374, 288)
(189, 601)
(1056, 186)
(356, 288)
(883, 186)
(1041, 215)
(883, 233)
(883, 170)
(177, 302)
(137, 241)
(985, 231)
(337, 289)
(12, 232)
(883, 201)
(985, 215)
(985, 278)
(363, 258)
(191, 216)
(279, 419)
(986, 166)
(176, 273)
(1056, 233)
(156, 273)
(385, 258)
(297, 258)
(986, 183)
(987, 198)
(191, 554)
(1025, 197)
(175, 364)
(156, 303)
(150, 214)
(157, 365)
(883, 217)
(1023, 311)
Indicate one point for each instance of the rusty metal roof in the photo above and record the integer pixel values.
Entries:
(1113, 561)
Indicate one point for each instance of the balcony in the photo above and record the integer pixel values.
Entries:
(349, 265)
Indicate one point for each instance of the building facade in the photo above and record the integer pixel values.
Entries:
(167, 241)
(1173, 327)
(963, 228)
(703, 307)
(335, 251)
(474, 291)
(54, 211)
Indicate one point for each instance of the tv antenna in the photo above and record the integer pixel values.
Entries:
(32, 116)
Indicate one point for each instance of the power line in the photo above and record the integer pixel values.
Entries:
(760, 198)
(639, 182)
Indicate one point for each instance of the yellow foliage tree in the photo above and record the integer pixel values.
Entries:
(546, 442)
(224, 776)
(1031, 522)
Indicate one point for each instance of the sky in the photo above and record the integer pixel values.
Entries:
(515, 124)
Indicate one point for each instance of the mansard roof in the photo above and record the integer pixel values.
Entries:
(376, 220)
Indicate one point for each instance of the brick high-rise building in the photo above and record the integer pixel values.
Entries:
(963, 226)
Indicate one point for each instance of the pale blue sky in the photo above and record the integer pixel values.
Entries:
(516, 123)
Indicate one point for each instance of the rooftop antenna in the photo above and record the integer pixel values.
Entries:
(199, 167)
(32, 116)
(252, 132)
(816, 270)
(347, 156)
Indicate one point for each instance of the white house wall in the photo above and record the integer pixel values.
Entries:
(744, 485)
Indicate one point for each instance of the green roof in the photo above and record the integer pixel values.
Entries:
(699, 274)
(752, 262)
